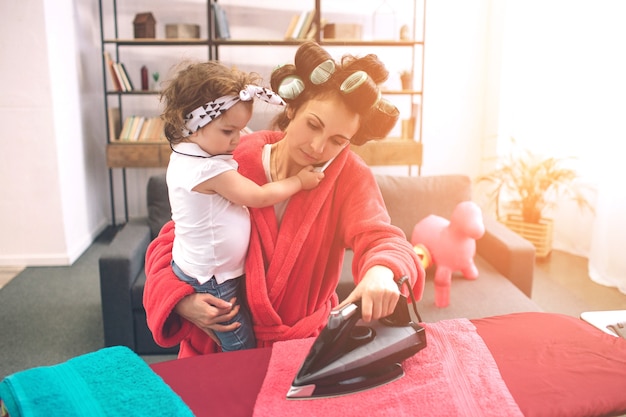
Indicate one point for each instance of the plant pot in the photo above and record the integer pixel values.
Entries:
(407, 81)
(539, 234)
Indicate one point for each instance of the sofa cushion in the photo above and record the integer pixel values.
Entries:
(159, 210)
(491, 294)
(136, 291)
(410, 199)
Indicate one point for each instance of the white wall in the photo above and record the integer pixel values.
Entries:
(458, 48)
(52, 173)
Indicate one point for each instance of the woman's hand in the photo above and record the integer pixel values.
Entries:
(378, 293)
(207, 312)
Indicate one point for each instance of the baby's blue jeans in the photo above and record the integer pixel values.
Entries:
(243, 336)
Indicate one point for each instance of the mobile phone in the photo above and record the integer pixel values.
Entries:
(323, 167)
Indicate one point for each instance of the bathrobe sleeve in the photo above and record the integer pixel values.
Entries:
(163, 290)
(366, 228)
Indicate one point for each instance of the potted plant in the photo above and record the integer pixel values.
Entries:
(530, 183)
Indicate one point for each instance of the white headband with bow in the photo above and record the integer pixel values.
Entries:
(203, 115)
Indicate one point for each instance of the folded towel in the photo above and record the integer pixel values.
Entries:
(109, 382)
(455, 375)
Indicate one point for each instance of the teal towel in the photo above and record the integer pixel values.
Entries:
(109, 382)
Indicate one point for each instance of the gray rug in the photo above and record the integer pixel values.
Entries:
(51, 314)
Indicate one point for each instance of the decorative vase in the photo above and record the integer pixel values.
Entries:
(539, 234)
(406, 80)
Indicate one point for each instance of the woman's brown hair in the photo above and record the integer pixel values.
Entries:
(355, 79)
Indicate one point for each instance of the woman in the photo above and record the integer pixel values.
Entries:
(297, 247)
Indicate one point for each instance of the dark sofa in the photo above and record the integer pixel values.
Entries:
(504, 259)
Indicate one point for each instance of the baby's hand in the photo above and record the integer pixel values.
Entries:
(309, 178)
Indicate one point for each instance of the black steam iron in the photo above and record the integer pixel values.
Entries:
(350, 355)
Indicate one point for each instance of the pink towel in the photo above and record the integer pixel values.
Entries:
(455, 375)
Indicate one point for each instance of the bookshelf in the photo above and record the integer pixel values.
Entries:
(119, 46)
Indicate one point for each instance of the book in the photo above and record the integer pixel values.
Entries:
(312, 31)
(110, 64)
(126, 128)
(152, 130)
(114, 123)
(306, 25)
(158, 131)
(291, 27)
(136, 129)
(222, 30)
(127, 80)
(123, 76)
(118, 74)
(131, 129)
(143, 133)
(298, 28)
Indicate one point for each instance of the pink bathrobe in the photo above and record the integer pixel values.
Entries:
(291, 274)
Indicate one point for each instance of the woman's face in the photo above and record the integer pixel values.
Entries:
(319, 130)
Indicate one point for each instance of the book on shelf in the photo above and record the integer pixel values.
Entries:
(114, 123)
(129, 128)
(142, 129)
(128, 84)
(136, 129)
(298, 26)
(156, 132)
(306, 26)
(220, 20)
(292, 26)
(124, 134)
(160, 130)
(143, 133)
(110, 64)
(302, 26)
(119, 76)
(312, 31)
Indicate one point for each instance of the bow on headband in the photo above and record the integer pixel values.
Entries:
(204, 114)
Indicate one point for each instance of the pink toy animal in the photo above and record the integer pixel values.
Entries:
(451, 244)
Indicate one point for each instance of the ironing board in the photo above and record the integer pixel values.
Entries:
(552, 365)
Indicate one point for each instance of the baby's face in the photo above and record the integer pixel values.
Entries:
(221, 135)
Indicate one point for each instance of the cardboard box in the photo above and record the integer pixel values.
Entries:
(342, 31)
(182, 31)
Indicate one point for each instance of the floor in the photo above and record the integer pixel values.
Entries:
(562, 285)
(7, 273)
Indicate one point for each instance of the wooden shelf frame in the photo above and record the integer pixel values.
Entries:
(388, 152)
(156, 154)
